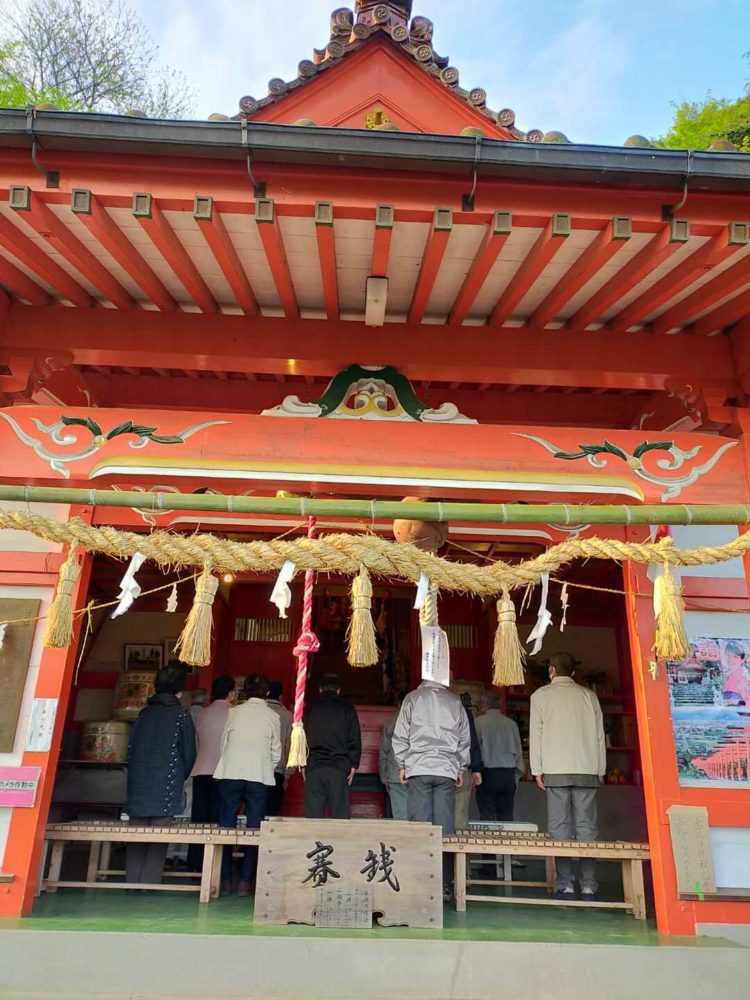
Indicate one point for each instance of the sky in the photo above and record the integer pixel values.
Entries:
(597, 70)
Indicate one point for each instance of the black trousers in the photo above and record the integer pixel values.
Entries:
(326, 786)
(205, 809)
(496, 794)
(276, 796)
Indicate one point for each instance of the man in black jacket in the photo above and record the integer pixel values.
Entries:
(335, 747)
(160, 758)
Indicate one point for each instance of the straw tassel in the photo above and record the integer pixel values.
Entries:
(508, 656)
(194, 645)
(297, 746)
(363, 648)
(59, 630)
(671, 640)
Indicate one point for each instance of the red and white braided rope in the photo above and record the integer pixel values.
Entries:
(308, 641)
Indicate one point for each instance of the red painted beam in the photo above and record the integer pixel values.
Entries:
(273, 244)
(702, 298)
(324, 347)
(37, 261)
(327, 256)
(223, 249)
(656, 251)
(381, 251)
(169, 246)
(713, 252)
(432, 258)
(730, 312)
(542, 252)
(52, 228)
(489, 249)
(101, 225)
(592, 259)
(21, 284)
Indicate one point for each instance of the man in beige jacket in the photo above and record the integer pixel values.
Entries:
(567, 754)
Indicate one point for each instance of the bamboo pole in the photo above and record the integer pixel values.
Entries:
(503, 513)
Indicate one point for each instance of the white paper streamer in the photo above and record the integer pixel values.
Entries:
(172, 600)
(129, 586)
(2, 634)
(422, 587)
(281, 595)
(543, 618)
(564, 601)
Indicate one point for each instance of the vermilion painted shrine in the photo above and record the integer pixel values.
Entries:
(370, 284)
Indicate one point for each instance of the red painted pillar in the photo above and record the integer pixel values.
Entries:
(26, 833)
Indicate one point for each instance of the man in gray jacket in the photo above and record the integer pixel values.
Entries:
(389, 772)
(431, 743)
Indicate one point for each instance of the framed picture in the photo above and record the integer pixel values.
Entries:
(143, 656)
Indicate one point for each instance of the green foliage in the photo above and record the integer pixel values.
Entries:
(86, 55)
(697, 124)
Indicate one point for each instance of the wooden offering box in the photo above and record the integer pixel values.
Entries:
(401, 862)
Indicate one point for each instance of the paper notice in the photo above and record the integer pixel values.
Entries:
(436, 660)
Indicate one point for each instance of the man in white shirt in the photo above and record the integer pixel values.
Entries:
(276, 794)
(568, 759)
(209, 729)
(250, 751)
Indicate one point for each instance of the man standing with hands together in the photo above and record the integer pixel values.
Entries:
(568, 759)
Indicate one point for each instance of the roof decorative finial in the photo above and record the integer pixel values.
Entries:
(376, 13)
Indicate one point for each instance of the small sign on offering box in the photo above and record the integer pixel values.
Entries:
(18, 786)
(400, 864)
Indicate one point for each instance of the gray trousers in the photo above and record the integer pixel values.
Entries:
(397, 793)
(463, 801)
(571, 815)
(431, 799)
(145, 862)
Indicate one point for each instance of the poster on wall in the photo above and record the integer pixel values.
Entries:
(709, 694)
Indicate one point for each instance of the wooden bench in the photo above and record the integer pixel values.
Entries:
(630, 855)
(102, 835)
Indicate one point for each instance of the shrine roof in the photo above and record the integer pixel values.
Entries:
(351, 30)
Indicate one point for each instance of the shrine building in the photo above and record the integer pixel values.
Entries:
(363, 286)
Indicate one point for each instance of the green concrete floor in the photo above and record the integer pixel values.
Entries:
(177, 914)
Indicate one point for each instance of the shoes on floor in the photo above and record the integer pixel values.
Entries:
(563, 894)
(588, 896)
(447, 893)
(245, 889)
(226, 887)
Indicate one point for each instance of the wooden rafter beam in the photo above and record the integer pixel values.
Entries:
(324, 347)
(658, 249)
(713, 252)
(161, 234)
(225, 253)
(730, 312)
(432, 258)
(269, 231)
(326, 239)
(544, 249)
(604, 246)
(381, 243)
(493, 241)
(92, 213)
(61, 238)
(37, 261)
(22, 285)
(730, 280)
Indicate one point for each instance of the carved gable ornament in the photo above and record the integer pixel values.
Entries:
(361, 392)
